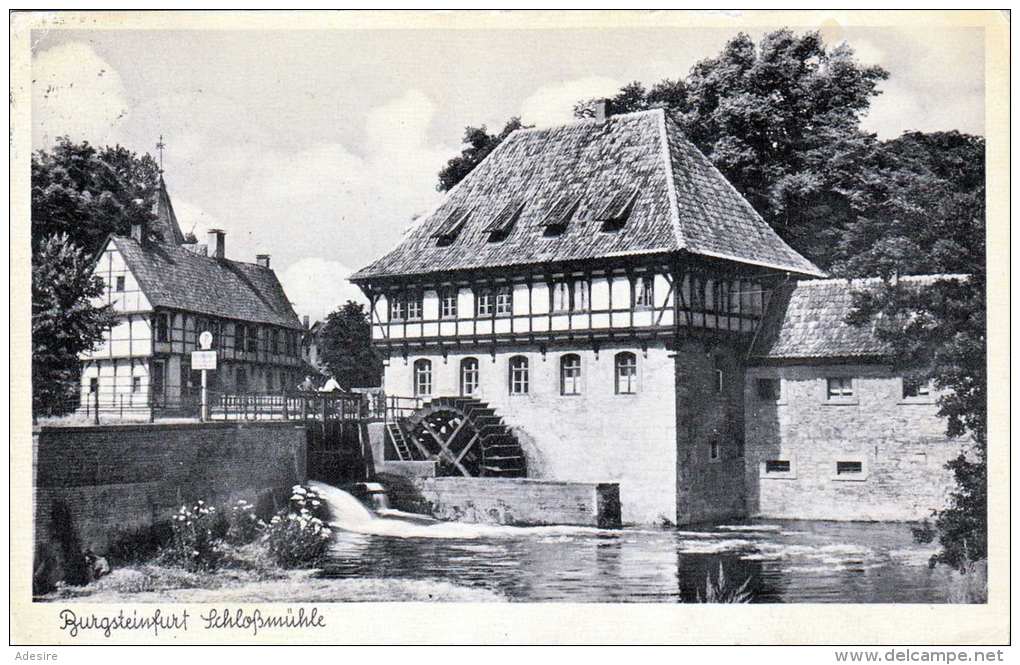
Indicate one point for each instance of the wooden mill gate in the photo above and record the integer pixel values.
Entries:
(335, 425)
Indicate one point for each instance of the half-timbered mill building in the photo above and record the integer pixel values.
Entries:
(165, 292)
(832, 430)
(584, 300)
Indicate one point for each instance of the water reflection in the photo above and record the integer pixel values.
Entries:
(785, 562)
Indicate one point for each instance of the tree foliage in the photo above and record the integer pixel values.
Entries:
(347, 348)
(87, 192)
(922, 211)
(65, 321)
(80, 194)
(478, 144)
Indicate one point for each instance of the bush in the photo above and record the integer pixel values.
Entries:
(298, 536)
(243, 525)
(195, 544)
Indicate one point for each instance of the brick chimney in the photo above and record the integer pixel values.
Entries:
(217, 243)
(306, 321)
(262, 260)
(136, 232)
(601, 108)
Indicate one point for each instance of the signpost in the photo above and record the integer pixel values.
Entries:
(204, 360)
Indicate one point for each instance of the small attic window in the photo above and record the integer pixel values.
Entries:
(451, 226)
(617, 209)
(559, 215)
(501, 225)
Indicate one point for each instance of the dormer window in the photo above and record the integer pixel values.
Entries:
(616, 211)
(451, 226)
(559, 215)
(501, 225)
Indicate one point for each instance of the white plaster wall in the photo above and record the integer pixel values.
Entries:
(597, 436)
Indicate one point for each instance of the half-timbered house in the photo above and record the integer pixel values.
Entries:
(585, 298)
(165, 292)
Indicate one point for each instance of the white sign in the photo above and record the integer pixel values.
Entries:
(205, 340)
(203, 360)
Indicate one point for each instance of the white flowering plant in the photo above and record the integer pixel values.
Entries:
(298, 536)
(243, 525)
(195, 543)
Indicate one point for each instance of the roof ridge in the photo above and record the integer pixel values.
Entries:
(667, 163)
(581, 121)
(874, 279)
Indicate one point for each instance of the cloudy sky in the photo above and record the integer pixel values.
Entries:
(320, 147)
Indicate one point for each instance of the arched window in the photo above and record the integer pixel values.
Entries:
(422, 377)
(518, 375)
(570, 374)
(469, 377)
(626, 373)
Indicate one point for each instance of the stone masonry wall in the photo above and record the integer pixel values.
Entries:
(116, 479)
(710, 450)
(521, 501)
(900, 444)
(597, 436)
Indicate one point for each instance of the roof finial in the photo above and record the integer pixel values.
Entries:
(160, 146)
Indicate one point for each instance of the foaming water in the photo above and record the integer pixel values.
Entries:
(346, 511)
(351, 515)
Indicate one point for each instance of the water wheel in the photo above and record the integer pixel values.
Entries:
(466, 438)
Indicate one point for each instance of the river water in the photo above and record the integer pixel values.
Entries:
(785, 561)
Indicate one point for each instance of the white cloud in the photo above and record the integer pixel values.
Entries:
(75, 92)
(317, 286)
(554, 104)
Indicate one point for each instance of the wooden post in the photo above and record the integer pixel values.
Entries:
(95, 404)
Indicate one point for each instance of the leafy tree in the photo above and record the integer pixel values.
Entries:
(87, 192)
(921, 210)
(65, 321)
(80, 194)
(781, 121)
(347, 348)
(479, 144)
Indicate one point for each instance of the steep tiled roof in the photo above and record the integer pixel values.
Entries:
(682, 203)
(807, 320)
(172, 276)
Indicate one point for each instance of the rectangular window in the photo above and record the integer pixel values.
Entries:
(448, 303)
(519, 378)
(769, 390)
(275, 337)
(398, 308)
(916, 388)
(644, 291)
(777, 466)
(136, 384)
(570, 374)
(414, 308)
(485, 302)
(239, 335)
(626, 373)
(120, 283)
(93, 385)
(849, 468)
(498, 301)
(253, 339)
(840, 387)
(504, 300)
(422, 377)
